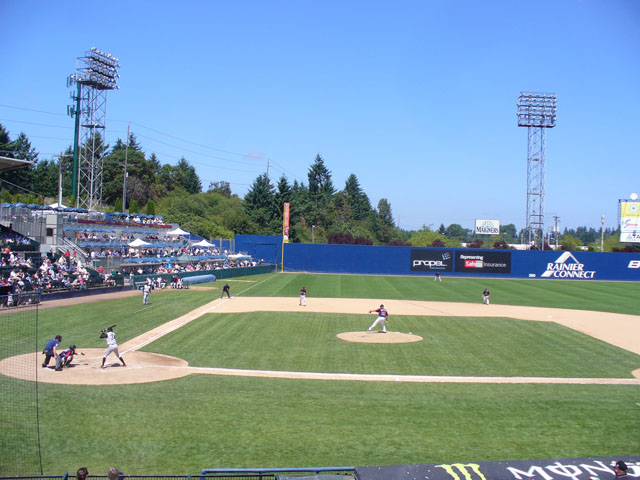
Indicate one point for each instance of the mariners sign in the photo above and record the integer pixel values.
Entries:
(567, 266)
(487, 227)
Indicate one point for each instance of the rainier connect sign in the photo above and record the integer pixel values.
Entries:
(567, 266)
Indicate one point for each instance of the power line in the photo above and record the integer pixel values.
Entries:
(32, 110)
(243, 155)
(34, 123)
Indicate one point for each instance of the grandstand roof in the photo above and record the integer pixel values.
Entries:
(7, 163)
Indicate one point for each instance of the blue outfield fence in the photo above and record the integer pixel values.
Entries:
(365, 259)
(467, 262)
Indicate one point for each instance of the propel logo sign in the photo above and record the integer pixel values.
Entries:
(431, 260)
(567, 266)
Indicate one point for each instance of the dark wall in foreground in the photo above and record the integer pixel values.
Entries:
(552, 469)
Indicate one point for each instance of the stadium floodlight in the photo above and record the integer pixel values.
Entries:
(96, 74)
(99, 70)
(537, 112)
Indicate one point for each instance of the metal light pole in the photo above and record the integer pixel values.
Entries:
(96, 74)
(313, 234)
(537, 112)
(60, 157)
(602, 231)
(555, 228)
(124, 186)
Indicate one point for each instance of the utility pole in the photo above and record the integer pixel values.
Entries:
(124, 187)
(555, 228)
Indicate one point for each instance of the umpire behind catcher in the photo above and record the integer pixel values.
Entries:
(50, 350)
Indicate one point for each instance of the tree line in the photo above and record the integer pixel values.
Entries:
(319, 211)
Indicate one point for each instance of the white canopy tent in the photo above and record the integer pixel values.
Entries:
(203, 243)
(138, 242)
(178, 231)
(239, 256)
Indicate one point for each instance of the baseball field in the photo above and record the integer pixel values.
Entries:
(551, 369)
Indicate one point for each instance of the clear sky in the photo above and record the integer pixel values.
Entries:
(417, 98)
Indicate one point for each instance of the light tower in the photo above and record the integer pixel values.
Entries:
(96, 73)
(537, 112)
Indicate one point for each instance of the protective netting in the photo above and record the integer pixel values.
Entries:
(19, 436)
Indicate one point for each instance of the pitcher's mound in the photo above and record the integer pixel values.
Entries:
(379, 337)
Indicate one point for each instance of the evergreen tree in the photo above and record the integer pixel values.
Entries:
(150, 208)
(356, 198)
(188, 178)
(45, 178)
(384, 224)
(133, 206)
(320, 190)
(260, 204)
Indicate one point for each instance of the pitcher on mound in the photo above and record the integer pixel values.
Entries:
(383, 318)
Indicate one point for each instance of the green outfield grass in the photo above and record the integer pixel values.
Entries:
(619, 297)
(184, 425)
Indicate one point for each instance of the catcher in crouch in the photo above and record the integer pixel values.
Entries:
(66, 357)
(383, 318)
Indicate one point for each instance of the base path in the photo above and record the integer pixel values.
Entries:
(617, 329)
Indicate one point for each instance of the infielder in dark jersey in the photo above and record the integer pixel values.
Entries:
(303, 296)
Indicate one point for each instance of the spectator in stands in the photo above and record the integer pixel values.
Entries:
(82, 473)
(114, 474)
(620, 469)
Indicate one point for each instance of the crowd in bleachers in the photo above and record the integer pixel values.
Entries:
(20, 275)
(13, 238)
(173, 266)
(93, 239)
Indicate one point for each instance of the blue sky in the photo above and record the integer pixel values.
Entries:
(417, 98)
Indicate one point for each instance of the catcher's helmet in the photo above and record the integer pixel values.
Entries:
(72, 347)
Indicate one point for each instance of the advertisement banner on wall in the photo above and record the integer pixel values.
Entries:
(431, 260)
(483, 261)
(567, 265)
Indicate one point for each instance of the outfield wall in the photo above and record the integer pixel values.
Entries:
(376, 260)
(267, 248)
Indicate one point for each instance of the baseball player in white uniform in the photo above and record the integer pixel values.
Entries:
(112, 345)
(145, 293)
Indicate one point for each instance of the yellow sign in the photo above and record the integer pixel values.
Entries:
(462, 471)
(630, 209)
